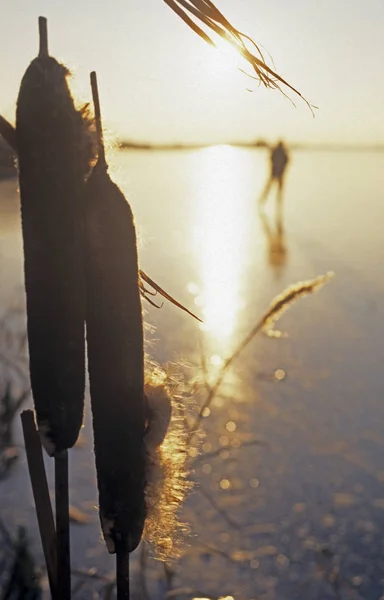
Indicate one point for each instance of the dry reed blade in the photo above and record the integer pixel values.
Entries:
(165, 295)
(49, 138)
(115, 354)
(277, 307)
(213, 12)
(207, 13)
(176, 8)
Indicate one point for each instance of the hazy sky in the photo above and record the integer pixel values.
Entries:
(159, 82)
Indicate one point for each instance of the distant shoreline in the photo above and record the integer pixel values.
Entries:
(326, 147)
(9, 170)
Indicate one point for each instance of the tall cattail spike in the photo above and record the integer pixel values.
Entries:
(99, 127)
(50, 144)
(43, 36)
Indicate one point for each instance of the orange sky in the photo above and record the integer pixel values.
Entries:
(159, 82)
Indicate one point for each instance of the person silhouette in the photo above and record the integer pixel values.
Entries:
(279, 159)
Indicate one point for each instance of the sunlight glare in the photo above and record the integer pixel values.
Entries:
(224, 62)
(220, 239)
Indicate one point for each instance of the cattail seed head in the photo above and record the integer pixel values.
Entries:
(50, 142)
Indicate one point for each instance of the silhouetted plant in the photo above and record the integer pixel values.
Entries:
(19, 578)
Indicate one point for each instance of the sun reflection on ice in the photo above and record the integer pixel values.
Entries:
(220, 238)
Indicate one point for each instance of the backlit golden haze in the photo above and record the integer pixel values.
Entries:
(161, 83)
(220, 232)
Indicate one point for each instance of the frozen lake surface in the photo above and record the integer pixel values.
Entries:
(300, 515)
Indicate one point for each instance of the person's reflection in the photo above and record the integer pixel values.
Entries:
(279, 159)
(275, 236)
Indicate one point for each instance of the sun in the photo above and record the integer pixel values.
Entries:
(225, 61)
(221, 63)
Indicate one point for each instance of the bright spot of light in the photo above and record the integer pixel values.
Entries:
(220, 238)
(216, 360)
(199, 301)
(225, 61)
(225, 484)
(230, 426)
(193, 288)
(279, 374)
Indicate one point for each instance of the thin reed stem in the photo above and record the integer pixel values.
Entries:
(99, 127)
(62, 526)
(41, 496)
(277, 307)
(214, 389)
(43, 37)
(122, 571)
(208, 455)
(227, 518)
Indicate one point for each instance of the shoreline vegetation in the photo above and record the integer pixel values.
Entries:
(8, 167)
(326, 147)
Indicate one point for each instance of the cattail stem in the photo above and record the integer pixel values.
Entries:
(62, 526)
(99, 127)
(122, 571)
(43, 37)
(41, 496)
